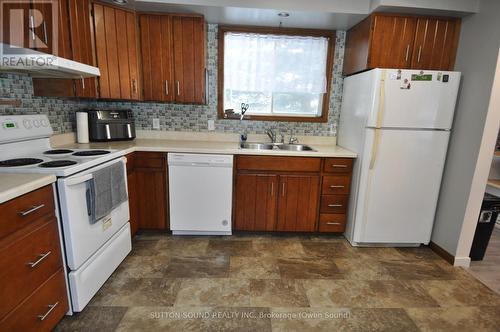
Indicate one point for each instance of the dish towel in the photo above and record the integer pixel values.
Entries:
(106, 190)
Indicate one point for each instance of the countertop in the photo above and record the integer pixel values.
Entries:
(198, 146)
(15, 185)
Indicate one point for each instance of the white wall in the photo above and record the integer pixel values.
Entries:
(476, 59)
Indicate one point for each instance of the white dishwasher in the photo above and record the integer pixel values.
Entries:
(200, 193)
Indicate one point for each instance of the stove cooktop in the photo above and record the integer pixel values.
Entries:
(60, 162)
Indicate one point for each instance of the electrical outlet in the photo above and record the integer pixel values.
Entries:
(156, 124)
(211, 125)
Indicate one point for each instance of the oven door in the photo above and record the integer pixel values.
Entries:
(81, 238)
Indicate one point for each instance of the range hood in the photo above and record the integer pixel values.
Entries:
(42, 65)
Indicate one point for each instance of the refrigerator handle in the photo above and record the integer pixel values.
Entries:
(380, 113)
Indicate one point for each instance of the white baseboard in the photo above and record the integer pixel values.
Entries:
(462, 261)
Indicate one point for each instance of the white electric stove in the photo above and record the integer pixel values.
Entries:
(92, 250)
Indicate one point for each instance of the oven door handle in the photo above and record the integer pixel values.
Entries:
(78, 180)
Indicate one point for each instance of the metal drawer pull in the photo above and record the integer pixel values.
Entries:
(419, 53)
(339, 166)
(33, 209)
(333, 223)
(166, 87)
(337, 186)
(407, 52)
(51, 308)
(39, 260)
(178, 89)
(334, 205)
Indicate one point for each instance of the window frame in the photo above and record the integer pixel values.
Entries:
(330, 34)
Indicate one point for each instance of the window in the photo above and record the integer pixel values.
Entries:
(283, 74)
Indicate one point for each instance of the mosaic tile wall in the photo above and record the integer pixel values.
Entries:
(173, 117)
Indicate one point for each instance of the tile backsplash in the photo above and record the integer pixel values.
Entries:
(173, 117)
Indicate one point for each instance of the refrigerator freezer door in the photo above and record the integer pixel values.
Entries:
(398, 196)
(424, 101)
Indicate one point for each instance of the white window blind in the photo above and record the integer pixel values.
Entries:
(275, 74)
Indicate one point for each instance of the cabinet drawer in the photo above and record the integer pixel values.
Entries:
(336, 184)
(334, 203)
(20, 212)
(285, 164)
(42, 310)
(329, 222)
(27, 263)
(149, 160)
(338, 165)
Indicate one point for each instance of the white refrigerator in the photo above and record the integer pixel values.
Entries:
(398, 122)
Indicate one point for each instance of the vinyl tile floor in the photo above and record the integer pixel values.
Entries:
(488, 270)
(284, 283)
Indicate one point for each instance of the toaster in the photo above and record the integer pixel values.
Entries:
(110, 125)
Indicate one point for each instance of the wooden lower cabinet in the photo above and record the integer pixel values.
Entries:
(288, 193)
(255, 206)
(32, 284)
(298, 203)
(147, 191)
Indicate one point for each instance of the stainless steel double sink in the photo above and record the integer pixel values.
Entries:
(276, 146)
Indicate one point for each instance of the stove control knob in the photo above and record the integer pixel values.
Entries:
(27, 124)
(36, 123)
(44, 123)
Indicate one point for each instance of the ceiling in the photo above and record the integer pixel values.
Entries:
(316, 14)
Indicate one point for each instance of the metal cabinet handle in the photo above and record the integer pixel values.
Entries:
(51, 308)
(407, 52)
(334, 205)
(337, 186)
(134, 86)
(333, 223)
(419, 53)
(178, 89)
(45, 33)
(83, 83)
(39, 260)
(32, 27)
(283, 190)
(339, 166)
(166, 87)
(33, 209)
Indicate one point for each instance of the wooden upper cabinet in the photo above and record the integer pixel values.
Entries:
(255, 206)
(392, 42)
(116, 50)
(82, 44)
(189, 59)
(435, 43)
(298, 203)
(403, 42)
(173, 58)
(156, 50)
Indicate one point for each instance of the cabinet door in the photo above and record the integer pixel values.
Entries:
(189, 59)
(151, 184)
(298, 203)
(82, 44)
(156, 50)
(392, 42)
(42, 20)
(255, 202)
(17, 32)
(116, 49)
(435, 44)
